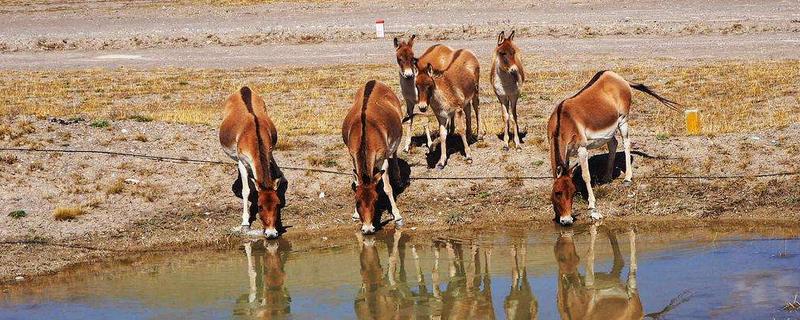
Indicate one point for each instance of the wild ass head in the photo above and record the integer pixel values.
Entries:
(425, 88)
(269, 206)
(507, 55)
(563, 192)
(405, 57)
(367, 199)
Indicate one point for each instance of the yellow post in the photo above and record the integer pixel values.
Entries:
(692, 122)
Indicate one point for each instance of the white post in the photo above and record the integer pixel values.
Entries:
(379, 28)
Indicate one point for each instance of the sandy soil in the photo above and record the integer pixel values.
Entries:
(179, 205)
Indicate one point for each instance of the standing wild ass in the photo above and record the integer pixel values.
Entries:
(372, 131)
(452, 95)
(507, 77)
(586, 121)
(247, 135)
(438, 56)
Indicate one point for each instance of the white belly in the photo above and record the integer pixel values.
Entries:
(598, 138)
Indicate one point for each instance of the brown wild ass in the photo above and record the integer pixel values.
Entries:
(438, 56)
(586, 121)
(247, 135)
(453, 96)
(372, 131)
(597, 295)
(507, 77)
(268, 298)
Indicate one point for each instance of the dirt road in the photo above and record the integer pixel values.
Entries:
(146, 34)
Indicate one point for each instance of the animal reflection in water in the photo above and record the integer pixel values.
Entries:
(388, 293)
(596, 295)
(268, 297)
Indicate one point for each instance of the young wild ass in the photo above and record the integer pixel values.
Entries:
(452, 95)
(247, 135)
(586, 121)
(372, 131)
(438, 56)
(507, 77)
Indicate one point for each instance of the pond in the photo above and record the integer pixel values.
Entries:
(589, 272)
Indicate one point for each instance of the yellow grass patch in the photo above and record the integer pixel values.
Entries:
(67, 213)
(732, 96)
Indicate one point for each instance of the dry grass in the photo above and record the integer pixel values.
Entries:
(67, 213)
(733, 96)
(116, 187)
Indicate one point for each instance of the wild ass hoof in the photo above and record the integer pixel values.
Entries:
(244, 229)
(440, 166)
(355, 217)
(468, 160)
(506, 148)
(595, 215)
(398, 223)
(627, 183)
(517, 146)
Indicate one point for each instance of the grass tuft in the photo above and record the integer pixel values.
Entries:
(67, 213)
(100, 124)
(17, 214)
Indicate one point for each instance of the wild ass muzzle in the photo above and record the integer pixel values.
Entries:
(438, 56)
(247, 135)
(588, 120)
(372, 131)
(507, 77)
(452, 95)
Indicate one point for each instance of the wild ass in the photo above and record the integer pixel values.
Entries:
(372, 131)
(507, 77)
(452, 96)
(438, 56)
(247, 135)
(586, 121)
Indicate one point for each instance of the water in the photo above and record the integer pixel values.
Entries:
(688, 275)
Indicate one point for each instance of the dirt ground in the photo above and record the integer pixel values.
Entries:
(133, 204)
(177, 205)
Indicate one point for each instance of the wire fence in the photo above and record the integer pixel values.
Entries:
(327, 171)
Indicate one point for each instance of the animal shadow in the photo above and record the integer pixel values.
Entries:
(399, 182)
(454, 145)
(522, 135)
(597, 170)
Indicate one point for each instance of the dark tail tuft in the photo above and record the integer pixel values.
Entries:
(247, 96)
(643, 88)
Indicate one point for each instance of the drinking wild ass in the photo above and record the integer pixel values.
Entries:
(586, 121)
(438, 56)
(452, 95)
(507, 77)
(247, 135)
(372, 131)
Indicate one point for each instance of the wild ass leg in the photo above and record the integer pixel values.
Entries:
(427, 132)
(461, 118)
(626, 143)
(506, 118)
(513, 105)
(476, 104)
(442, 142)
(468, 120)
(583, 156)
(387, 188)
(409, 126)
(245, 226)
(612, 155)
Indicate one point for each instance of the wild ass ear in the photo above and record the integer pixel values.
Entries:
(559, 170)
(411, 41)
(278, 182)
(511, 36)
(355, 177)
(501, 37)
(429, 70)
(378, 176)
(396, 42)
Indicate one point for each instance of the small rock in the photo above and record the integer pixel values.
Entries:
(324, 238)
(413, 228)
(124, 131)
(322, 195)
(132, 181)
(756, 138)
(19, 278)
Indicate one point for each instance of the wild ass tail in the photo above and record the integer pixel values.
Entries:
(643, 88)
(362, 149)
